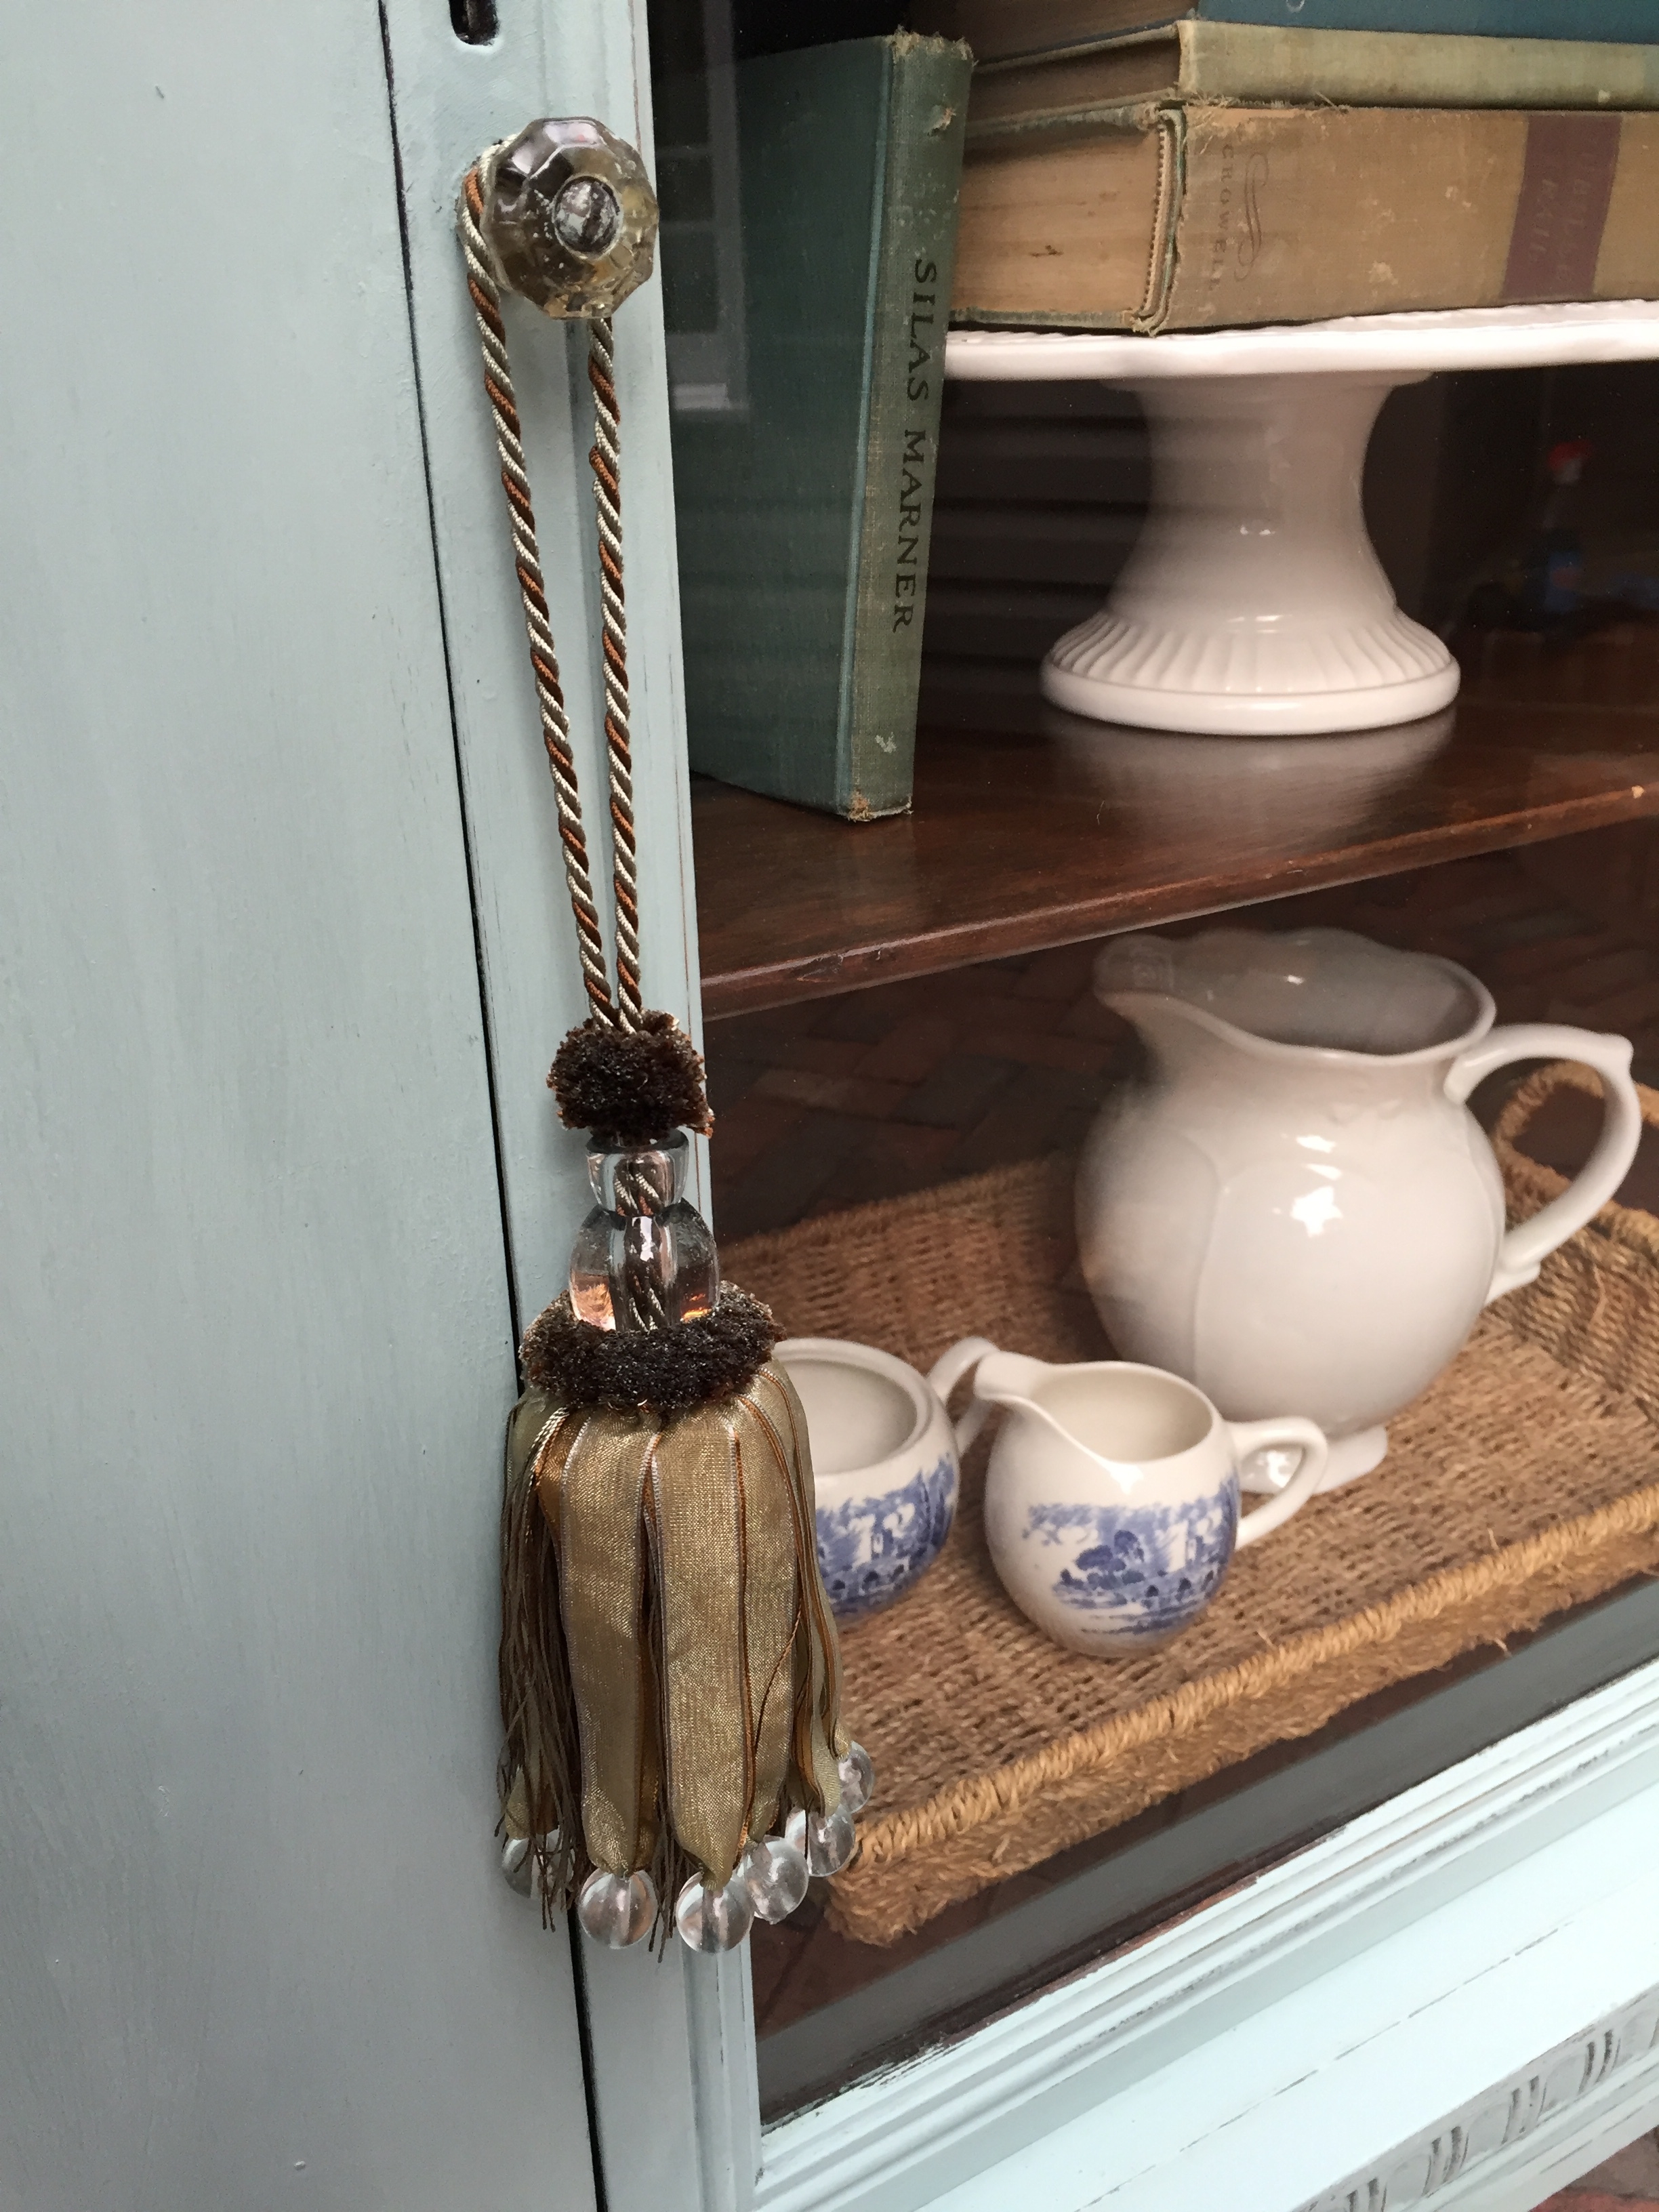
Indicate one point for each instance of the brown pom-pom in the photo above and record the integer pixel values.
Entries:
(690, 1363)
(630, 1086)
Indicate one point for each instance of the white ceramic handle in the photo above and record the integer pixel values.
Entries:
(1260, 1436)
(1531, 1242)
(947, 1370)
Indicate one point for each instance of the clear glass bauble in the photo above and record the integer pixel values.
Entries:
(616, 1910)
(775, 1874)
(825, 1840)
(858, 1779)
(518, 1859)
(710, 1919)
(645, 1257)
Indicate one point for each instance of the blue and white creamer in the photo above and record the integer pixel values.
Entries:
(1111, 1503)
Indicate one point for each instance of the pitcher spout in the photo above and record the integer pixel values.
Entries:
(1282, 997)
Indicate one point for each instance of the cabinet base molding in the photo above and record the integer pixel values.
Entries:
(1340, 2015)
(1527, 2136)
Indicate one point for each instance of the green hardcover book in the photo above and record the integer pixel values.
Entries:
(804, 515)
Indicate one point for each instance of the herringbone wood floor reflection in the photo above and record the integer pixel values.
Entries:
(830, 1102)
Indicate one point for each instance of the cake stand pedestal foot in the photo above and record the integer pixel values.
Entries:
(1253, 605)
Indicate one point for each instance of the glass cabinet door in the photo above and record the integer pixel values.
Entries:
(896, 2022)
(287, 926)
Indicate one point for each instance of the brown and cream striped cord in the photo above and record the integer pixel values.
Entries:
(625, 1011)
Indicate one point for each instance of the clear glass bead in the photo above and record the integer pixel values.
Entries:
(825, 1840)
(570, 216)
(518, 1859)
(858, 1779)
(775, 1874)
(644, 1257)
(616, 1909)
(710, 1919)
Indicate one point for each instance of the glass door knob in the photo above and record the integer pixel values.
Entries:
(570, 215)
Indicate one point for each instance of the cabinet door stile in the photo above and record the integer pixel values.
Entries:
(670, 2045)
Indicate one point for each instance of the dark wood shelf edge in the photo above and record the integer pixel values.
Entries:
(858, 967)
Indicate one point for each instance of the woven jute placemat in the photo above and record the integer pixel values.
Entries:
(1525, 1480)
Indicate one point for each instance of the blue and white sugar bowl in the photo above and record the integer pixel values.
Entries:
(1111, 1500)
(886, 1461)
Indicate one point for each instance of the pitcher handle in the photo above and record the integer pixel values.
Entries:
(1530, 1243)
(943, 1377)
(1260, 1436)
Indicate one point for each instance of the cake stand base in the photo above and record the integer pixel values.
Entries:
(1253, 605)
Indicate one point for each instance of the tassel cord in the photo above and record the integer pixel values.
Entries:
(605, 459)
(613, 1798)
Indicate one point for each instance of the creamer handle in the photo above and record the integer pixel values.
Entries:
(1530, 1243)
(1260, 1436)
(947, 1370)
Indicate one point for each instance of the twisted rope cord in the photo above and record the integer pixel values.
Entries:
(643, 1293)
(549, 696)
(605, 459)
(641, 1283)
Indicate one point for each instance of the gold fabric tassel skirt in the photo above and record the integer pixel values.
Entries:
(669, 1662)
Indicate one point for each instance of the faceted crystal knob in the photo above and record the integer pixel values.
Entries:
(775, 1874)
(711, 1919)
(825, 1840)
(570, 216)
(616, 1909)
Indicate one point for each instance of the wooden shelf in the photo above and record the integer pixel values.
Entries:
(1043, 830)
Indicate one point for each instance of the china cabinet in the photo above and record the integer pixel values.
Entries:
(284, 963)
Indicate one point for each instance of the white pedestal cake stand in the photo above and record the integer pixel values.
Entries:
(1253, 604)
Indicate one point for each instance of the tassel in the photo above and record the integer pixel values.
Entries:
(670, 1675)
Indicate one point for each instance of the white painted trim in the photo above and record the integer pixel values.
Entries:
(721, 2023)
(1565, 2146)
(1329, 2080)
(908, 2136)
(1530, 2134)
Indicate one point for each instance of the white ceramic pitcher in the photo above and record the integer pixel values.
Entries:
(1293, 1205)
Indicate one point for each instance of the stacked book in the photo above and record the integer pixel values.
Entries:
(1229, 161)
(1260, 161)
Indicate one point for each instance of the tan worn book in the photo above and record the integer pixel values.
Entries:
(1263, 64)
(1191, 216)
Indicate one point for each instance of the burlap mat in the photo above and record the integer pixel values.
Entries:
(1525, 1480)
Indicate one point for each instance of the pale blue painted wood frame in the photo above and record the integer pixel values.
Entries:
(680, 2027)
(255, 1948)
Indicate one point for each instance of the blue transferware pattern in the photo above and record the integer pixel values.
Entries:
(870, 1549)
(1149, 1569)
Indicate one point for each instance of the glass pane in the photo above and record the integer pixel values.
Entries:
(847, 1103)
(1517, 515)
